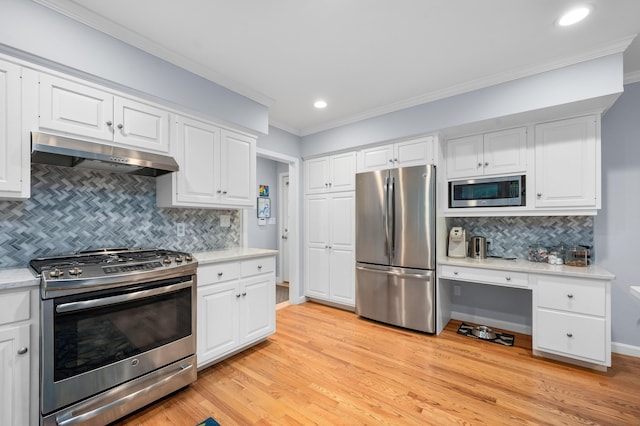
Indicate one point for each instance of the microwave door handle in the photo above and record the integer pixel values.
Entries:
(112, 300)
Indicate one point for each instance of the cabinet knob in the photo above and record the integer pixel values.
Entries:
(569, 334)
(259, 266)
(326, 184)
(244, 293)
(330, 184)
(479, 164)
(508, 278)
(224, 192)
(219, 191)
(109, 123)
(455, 272)
(539, 194)
(570, 296)
(220, 274)
(486, 164)
(395, 160)
(391, 160)
(238, 295)
(23, 350)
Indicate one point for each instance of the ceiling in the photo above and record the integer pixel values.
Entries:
(364, 57)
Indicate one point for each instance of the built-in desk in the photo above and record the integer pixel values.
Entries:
(571, 306)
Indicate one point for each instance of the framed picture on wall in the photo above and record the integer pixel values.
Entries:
(264, 190)
(264, 208)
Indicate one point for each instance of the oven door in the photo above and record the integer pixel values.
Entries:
(95, 341)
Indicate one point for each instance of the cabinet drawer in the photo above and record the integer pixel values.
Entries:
(487, 276)
(261, 265)
(218, 273)
(571, 334)
(573, 295)
(14, 307)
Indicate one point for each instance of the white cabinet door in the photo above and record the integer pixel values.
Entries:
(74, 108)
(258, 307)
(505, 152)
(14, 375)
(342, 248)
(237, 169)
(317, 245)
(198, 155)
(10, 138)
(330, 174)
(464, 157)
(414, 152)
(140, 125)
(376, 158)
(218, 325)
(566, 163)
(343, 172)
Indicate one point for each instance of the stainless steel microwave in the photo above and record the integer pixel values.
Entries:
(506, 191)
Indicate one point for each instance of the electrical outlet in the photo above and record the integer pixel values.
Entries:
(225, 221)
(180, 229)
(456, 290)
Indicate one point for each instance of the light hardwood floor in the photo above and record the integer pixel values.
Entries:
(327, 366)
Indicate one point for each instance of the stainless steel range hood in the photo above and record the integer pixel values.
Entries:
(63, 151)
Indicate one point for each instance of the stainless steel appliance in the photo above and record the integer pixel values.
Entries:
(395, 246)
(509, 191)
(478, 247)
(457, 242)
(69, 152)
(117, 332)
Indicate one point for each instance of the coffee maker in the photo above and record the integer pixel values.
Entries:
(457, 242)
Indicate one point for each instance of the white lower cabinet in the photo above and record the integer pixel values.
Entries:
(330, 247)
(18, 357)
(236, 306)
(572, 318)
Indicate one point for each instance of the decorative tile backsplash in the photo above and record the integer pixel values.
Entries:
(511, 236)
(78, 209)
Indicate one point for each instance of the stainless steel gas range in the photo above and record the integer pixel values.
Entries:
(117, 332)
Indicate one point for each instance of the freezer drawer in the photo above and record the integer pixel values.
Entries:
(398, 296)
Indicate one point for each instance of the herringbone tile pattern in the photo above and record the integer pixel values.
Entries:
(77, 209)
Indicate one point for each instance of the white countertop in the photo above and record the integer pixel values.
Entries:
(17, 277)
(238, 253)
(522, 265)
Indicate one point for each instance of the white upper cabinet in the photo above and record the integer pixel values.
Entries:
(12, 159)
(567, 171)
(489, 154)
(331, 173)
(77, 109)
(217, 168)
(401, 154)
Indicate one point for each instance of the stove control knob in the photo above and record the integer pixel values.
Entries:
(179, 258)
(75, 271)
(167, 260)
(188, 257)
(56, 273)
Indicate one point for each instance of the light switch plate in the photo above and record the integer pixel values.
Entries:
(225, 221)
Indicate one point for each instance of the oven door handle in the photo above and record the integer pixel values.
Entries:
(72, 419)
(112, 300)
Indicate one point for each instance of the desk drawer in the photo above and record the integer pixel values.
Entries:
(571, 334)
(486, 276)
(14, 306)
(572, 295)
(260, 265)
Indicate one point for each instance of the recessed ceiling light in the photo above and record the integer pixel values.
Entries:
(320, 104)
(574, 16)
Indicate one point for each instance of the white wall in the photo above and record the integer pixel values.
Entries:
(33, 32)
(617, 226)
(265, 236)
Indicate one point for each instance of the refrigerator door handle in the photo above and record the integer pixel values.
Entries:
(392, 218)
(385, 216)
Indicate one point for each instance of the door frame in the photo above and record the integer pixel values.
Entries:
(281, 215)
(295, 289)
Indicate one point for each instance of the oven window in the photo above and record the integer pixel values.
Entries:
(91, 338)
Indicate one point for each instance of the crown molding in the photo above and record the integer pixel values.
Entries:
(87, 17)
(632, 77)
(614, 48)
(285, 127)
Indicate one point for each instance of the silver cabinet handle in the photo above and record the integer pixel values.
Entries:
(220, 274)
(244, 293)
(238, 295)
(508, 278)
(330, 184)
(391, 160)
(23, 351)
(455, 272)
(224, 192)
(395, 160)
(259, 267)
(569, 334)
(539, 194)
(570, 296)
(479, 164)
(219, 191)
(326, 184)
(109, 123)
(120, 126)
(486, 164)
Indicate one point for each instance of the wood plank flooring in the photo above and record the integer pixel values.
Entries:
(329, 367)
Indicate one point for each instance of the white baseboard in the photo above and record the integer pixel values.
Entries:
(624, 349)
(491, 322)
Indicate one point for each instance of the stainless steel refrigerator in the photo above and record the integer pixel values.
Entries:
(395, 246)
